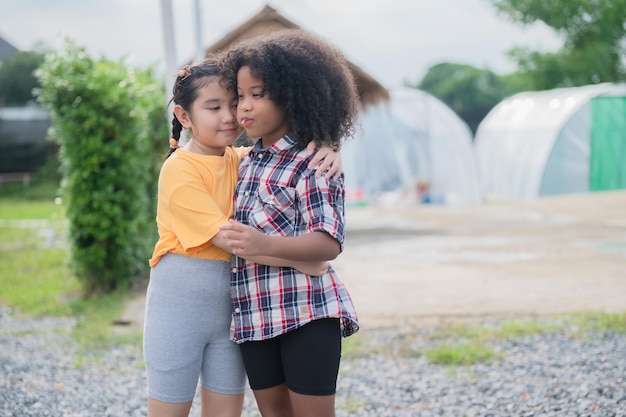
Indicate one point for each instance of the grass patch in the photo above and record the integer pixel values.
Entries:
(462, 355)
(518, 328)
(38, 189)
(467, 343)
(601, 322)
(93, 329)
(352, 346)
(37, 280)
(471, 339)
(15, 209)
(476, 333)
(350, 404)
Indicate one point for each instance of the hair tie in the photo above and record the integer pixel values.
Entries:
(184, 72)
(173, 143)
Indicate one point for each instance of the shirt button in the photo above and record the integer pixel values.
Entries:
(234, 270)
(237, 310)
(246, 193)
(260, 156)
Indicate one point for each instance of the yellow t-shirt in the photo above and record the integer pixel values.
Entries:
(195, 196)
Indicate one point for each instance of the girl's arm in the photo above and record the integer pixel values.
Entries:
(247, 241)
(310, 267)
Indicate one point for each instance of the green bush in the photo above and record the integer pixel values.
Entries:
(109, 120)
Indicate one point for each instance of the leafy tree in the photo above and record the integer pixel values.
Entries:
(594, 33)
(469, 91)
(107, 118)
(17, 79)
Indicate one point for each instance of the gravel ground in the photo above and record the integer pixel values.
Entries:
(43, 374)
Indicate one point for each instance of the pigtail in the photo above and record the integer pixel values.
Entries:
(177, 127)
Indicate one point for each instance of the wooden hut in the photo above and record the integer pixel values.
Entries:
(268, 20)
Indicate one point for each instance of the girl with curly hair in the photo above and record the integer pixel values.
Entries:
(294, 89)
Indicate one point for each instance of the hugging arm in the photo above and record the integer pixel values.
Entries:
(247, 241)
(309, 267)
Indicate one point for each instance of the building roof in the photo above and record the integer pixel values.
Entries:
(6, 49)
(268, 20)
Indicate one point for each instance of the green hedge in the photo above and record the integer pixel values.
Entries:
(109, 120)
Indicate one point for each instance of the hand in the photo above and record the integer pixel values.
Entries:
(244, 240)
(326, 159)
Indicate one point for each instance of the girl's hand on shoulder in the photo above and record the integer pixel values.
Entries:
(327, 160)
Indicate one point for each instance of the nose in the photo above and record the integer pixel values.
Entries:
(243, 104)
(229, 115)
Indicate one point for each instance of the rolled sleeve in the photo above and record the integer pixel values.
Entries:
(322, 205)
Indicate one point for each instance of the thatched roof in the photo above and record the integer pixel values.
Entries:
(269, 20)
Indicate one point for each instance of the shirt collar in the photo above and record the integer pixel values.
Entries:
(286, 142)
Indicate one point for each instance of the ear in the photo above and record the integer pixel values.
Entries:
(183, 116)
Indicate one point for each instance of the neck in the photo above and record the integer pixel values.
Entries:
(268, 141)
(196, 147)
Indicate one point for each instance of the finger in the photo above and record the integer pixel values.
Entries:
(310, 148)
(317, 158)
(233, 226)
(323, 166)
(334, 171)
(239, 228)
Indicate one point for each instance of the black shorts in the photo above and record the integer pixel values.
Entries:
(305, 359)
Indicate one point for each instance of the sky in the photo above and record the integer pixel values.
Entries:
(395, 41)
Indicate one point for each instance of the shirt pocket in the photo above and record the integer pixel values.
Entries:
(275, 210)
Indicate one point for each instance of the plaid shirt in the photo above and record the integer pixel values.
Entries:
(279, 195)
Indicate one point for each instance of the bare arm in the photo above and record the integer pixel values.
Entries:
(309, 267)
(247, 241)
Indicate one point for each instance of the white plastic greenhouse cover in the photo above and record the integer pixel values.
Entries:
(524, 138)
(415, 137)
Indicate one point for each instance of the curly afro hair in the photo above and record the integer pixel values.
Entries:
(306, 76)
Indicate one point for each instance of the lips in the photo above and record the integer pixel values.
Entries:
(246, 122)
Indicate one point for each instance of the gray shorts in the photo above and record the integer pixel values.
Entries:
(186, 331)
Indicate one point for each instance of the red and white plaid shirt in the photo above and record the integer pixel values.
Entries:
(279, 195)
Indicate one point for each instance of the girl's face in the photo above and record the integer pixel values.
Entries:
(211, 119)
(259, 115)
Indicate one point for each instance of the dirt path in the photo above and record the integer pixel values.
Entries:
(550, 256)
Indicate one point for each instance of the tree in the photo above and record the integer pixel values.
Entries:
(594, 33)
(107, 118)
(469, 91)
(17, 79)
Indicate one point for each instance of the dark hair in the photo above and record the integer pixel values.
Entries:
(306, 76)
(185, 91)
